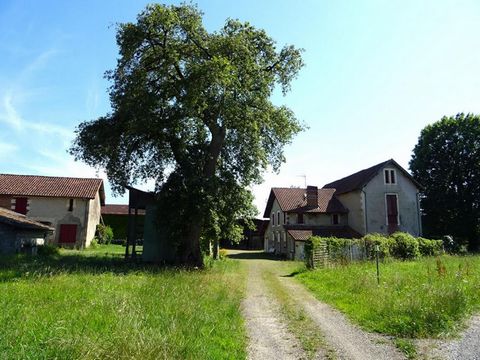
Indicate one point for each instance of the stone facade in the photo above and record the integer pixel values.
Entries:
(55, 212)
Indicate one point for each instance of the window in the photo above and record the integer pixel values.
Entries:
(390, 176)
(285, 240)
(70, 205)
(273, 219)
(335, 219)
(278, 218)
(284, 218)
(300, 218)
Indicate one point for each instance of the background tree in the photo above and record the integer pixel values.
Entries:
(192, 110)
(446, 161)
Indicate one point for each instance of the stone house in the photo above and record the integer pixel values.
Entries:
(18, 232)
(381, 199)
(69, 205)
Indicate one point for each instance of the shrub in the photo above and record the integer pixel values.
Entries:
(104, 234)
(385, 245)
(405, 246)
(94, 243)
(48, 250)
(430, 247)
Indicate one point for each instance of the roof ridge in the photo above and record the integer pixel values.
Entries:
(54, 177)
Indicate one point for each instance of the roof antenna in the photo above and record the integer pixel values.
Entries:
(304, 179)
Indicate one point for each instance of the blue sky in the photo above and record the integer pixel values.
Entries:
(376, 73)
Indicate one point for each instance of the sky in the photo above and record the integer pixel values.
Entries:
(376, 73)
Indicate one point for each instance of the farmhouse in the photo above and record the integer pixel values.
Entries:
(382, 199)
(17, 232)
(69, 205)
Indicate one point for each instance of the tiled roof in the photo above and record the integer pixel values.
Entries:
(359, 179)
(19, 220)
(51, 186)
(294, 200)
(114, 209)
(303, 232)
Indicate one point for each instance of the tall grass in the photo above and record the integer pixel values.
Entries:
(424, 298)
(74, 306)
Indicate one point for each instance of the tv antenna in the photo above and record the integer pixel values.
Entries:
(304, 176)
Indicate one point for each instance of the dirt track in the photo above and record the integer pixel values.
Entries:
(270, 338)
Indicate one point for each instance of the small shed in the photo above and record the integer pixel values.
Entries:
(18, 233)
(157, 247)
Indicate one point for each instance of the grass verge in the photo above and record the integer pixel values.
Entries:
(416, 299)
(89, 306)
(304, 329)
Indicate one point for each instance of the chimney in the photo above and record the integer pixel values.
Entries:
(312, 196)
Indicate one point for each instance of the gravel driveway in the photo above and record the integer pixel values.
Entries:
(270, 338)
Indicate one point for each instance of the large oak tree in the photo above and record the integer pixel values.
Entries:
(192, 110)
(446, 160)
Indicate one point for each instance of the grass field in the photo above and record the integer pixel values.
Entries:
(85, 305)
(425, 298)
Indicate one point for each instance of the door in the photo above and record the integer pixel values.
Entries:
(68, 234)
(392, 213)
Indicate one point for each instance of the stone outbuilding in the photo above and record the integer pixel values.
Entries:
(19, 233)
(69, 205)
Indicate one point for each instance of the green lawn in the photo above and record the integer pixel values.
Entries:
(85, 305)
(424, 298)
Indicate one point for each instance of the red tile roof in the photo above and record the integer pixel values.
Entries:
(303, 232)
(294, 200)
(114, 209)
(19, 220)
(361, 178)
(50, 186)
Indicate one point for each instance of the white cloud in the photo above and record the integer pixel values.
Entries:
(10, 115)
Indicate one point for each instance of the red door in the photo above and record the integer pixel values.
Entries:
(392, 213)
(21, 205)
(68, 233)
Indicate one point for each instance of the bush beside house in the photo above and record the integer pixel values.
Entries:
(398, 245)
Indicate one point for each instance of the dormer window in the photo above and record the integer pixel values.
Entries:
(390, 176)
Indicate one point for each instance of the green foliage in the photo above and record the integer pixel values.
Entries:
(445, 161)
(414, 299)
(385, 245)
(407, 347)
(94, 243)
(430, 247)
(83, 305)
(104, 234)
(192, 110)
(405, 246)
(311, 244)
(48, 250)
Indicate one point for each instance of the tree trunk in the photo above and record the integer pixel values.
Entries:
(190, 252)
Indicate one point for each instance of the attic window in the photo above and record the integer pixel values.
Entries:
(390, 176)
(70, 205)
(273, 219)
